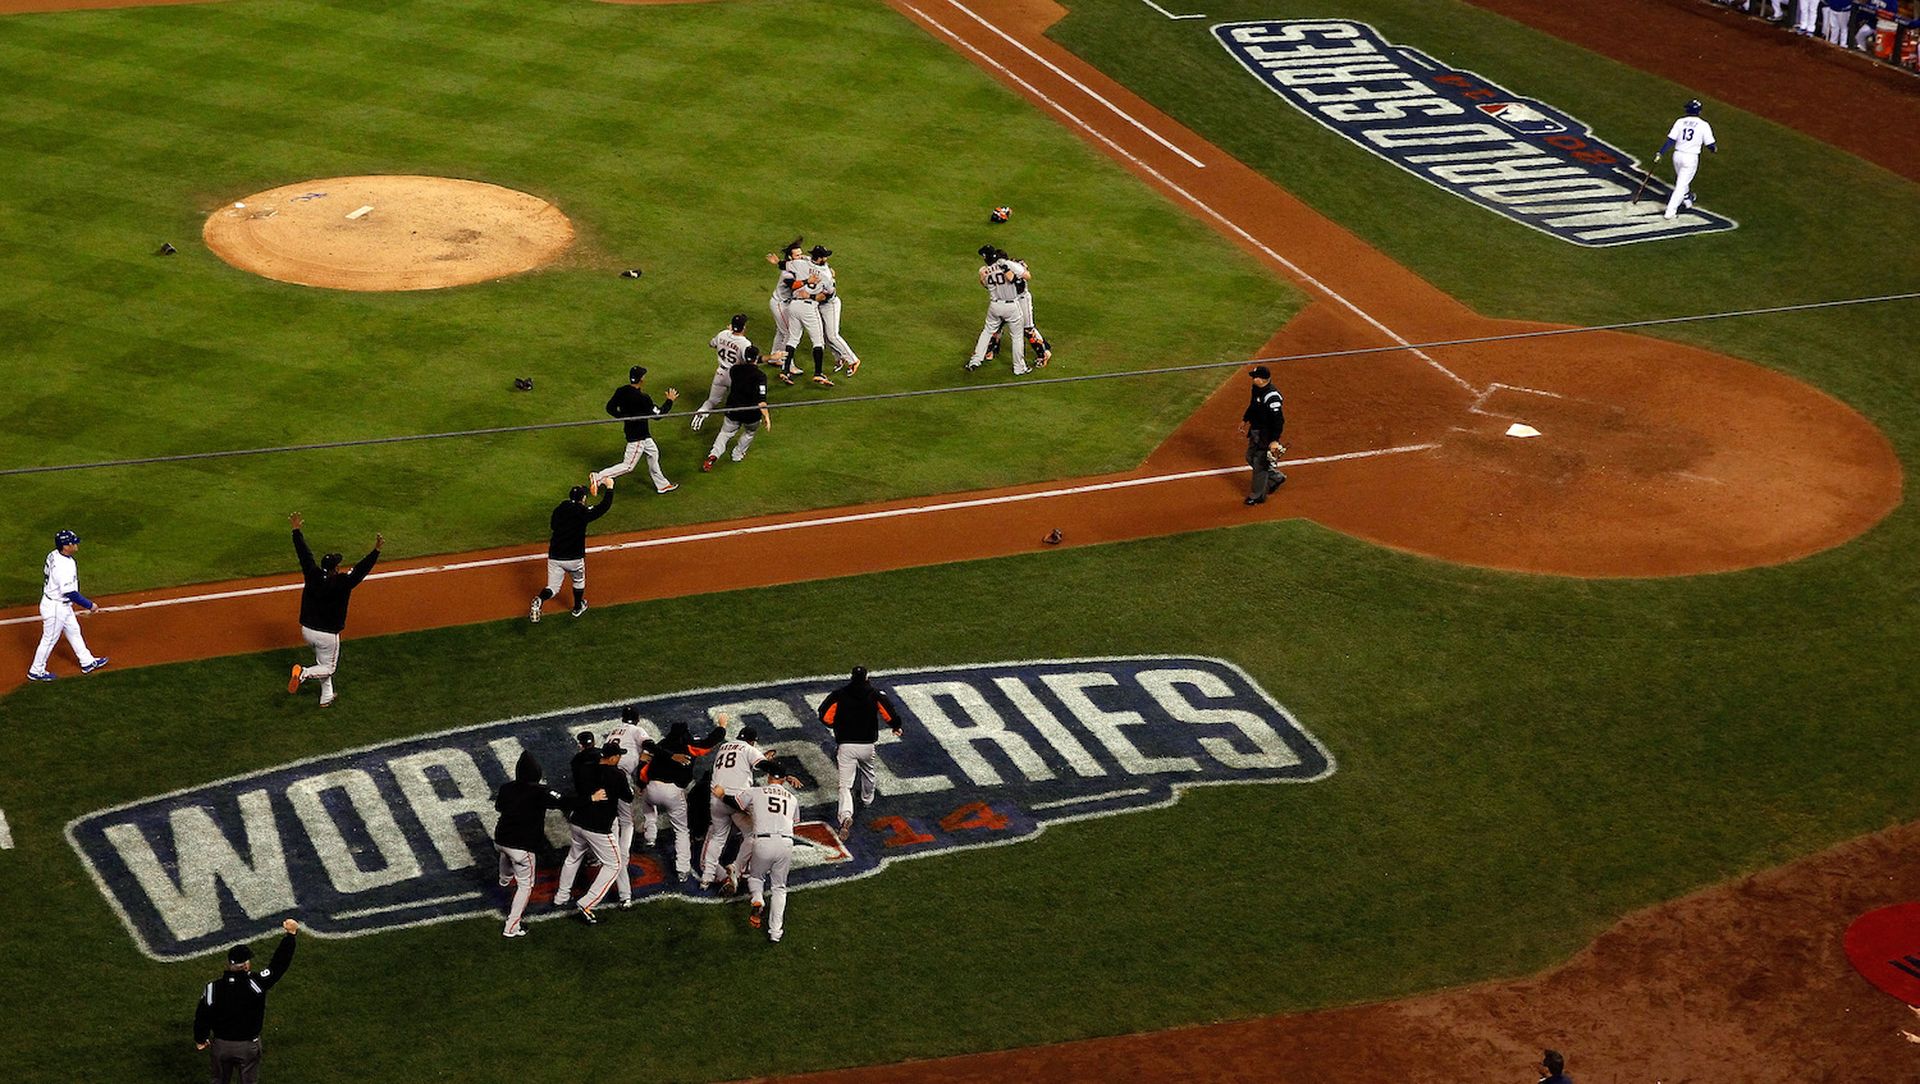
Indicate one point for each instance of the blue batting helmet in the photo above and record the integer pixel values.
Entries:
(65, 538)
(1693, 108)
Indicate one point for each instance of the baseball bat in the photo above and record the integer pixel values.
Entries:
(1645, 176)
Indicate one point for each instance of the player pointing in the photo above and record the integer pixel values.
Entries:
(59, 594)
(1684, 139)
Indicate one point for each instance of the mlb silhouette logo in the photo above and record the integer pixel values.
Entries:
(1522, 118)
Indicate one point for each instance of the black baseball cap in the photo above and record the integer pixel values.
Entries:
(634, 374)
(738, 322)
(1260, 372)
(586, 739)
(820, 252)
(239, 954)
(612, 749)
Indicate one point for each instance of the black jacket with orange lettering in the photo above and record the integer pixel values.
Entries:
(856, 711)
(670, 760)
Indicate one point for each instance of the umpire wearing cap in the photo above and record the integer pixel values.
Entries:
(1262, 423)
(323, 608)
(637, 407)
(567, 548)
(228, 1018)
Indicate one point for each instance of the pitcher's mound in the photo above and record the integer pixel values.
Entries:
(388, 233)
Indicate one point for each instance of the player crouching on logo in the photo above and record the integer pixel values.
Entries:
(772, 809)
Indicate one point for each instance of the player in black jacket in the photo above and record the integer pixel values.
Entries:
(746, 410)
(855, 712)
(596, 789)
(669, 772)
(233, 1009)
(637, 408)
(1262, 422)
(567, 548)
(522, 805)
(323, 608)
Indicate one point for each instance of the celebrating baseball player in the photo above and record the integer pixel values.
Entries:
(730, 347)
(522, 804)
(827, 294)
(772, 809)
(802, 281)
(323, 608)
(633, 764)
(746, 410)
(669, 773)
(1688, 134)
(733, 766)
(596, 789)
(567, 548)
(854, 712)
(999, 276)
(637, 407)
(784, 259)
(59, 594)
(1042, 349)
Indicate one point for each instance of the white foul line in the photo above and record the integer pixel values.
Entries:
(408, 906)
(1084, 798)
(6, 834)
(767, 528)
(1170, 14)
(1295, 269)
(1085, 89)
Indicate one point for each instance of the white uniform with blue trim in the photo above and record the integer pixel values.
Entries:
(60, 577)
(1690, 135)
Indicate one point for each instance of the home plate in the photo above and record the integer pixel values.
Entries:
(1518, 429)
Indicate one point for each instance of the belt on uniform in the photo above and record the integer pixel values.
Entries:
(771, 835)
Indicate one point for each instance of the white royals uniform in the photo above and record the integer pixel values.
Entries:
(772, 809)
(60, 576)
(729, 349)
(733, 765)
(1690, 135)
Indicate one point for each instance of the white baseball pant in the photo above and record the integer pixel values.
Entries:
(803, 316)
(1807, 16)
(779, 308)
(1684, 167)
(722, 821)
(1004, 315)
(716, 397)
(635, 450)
(1835, 23)
(57, 619)
(830, 322)
(600, 845)
(772, 860)
(666, 796)
(855, 760)
(623, 847)
(728, 428)
(326, 659)
(576, 569)
(516, 866)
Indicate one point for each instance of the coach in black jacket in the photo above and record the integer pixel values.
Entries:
(567, 547)
(1262, 422)
(855, 712)
(597, 789)
(637, 408)
(233, 1008)
(669, 772)
(521, 832)
(323, 608)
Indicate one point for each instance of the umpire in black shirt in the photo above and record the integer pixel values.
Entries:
(1262, 422)
(233, 1007)
(567, 547)
(323, 608)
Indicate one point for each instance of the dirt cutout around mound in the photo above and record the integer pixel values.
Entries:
(388, 233)
(1743, 982)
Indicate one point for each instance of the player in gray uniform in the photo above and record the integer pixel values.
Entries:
(782, 293)
(733, 766)
(730, 348)
(1042, 349)
(773, 808)
(999, 276)
(827, 293)
(802, 280)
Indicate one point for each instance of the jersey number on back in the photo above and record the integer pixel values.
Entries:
(776, 805)
(727, 759)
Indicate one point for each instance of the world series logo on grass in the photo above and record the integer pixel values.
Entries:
(1515, 156)
(396, 834)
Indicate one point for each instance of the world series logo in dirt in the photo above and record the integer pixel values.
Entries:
(396, 834)
(1513, 155)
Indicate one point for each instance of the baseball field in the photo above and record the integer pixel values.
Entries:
(1463, 745)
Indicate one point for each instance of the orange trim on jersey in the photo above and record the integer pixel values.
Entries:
(832, 709)
(884, 713)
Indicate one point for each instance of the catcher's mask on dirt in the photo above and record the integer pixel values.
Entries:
(330, 562)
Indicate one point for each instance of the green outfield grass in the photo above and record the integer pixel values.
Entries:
(683, 140)
(1520, 761)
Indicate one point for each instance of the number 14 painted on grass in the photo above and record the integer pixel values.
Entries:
(972, 816)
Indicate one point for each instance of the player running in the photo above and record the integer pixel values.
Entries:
(855, 712)
(733, 767)
(1684, 139)
(323, 608)
(567, 548)
(772, 809)
(520, 833)
(637, 408)
(730, 348)
(746, 410)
